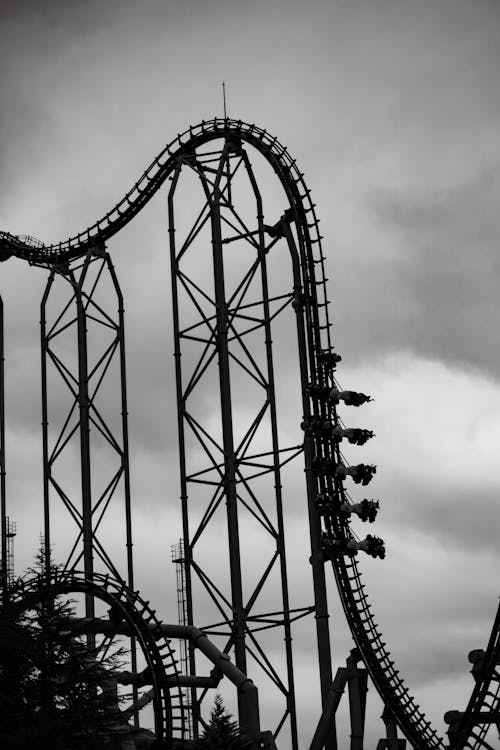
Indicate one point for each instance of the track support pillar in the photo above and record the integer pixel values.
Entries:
(3, 504)
(391, 741)
(356, 681)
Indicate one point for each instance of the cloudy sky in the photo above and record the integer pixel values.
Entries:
(393, 112)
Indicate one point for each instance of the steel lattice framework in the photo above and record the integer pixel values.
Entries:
(229, 303)
(83, 346)
(230, 329)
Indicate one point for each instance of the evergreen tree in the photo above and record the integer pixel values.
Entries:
(54, 693)
(16, 684)
(222, 732)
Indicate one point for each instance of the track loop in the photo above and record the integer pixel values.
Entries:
(140, 622)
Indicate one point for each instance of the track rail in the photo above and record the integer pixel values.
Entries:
(143, 625)
(467, 730)
(355, 602)
(36, 252)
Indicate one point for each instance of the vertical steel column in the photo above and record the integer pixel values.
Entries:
(84, 408)
(45, 424)
(315, 531)
(3, 499)
(181, 404)
(124, 415)
(275, 443)
(229, 482)
(358, 688)
(125, 461)
(391, 730)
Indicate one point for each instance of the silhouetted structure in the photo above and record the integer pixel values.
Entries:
(247, 272)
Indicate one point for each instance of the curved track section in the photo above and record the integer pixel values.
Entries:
(139, 620)
(354, 599)
(468, 729)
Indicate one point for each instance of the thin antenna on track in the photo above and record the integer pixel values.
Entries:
(224, 98)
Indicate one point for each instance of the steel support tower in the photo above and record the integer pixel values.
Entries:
(226, 306)
(86, 470)
(86, 474)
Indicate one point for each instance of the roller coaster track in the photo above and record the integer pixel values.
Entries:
(130, 610)
(365, 630)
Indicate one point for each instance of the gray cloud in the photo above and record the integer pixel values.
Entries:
(446, 282)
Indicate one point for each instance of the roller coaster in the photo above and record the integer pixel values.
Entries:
(243, 280)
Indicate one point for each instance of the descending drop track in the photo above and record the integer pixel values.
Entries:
(329, 505)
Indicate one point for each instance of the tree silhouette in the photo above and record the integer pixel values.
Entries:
(54, 692)
(221, 732)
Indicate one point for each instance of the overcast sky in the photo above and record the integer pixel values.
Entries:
(393, 112)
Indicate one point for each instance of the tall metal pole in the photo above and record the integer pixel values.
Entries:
(315, 532)
(44, 345)
(84, 409)
(229, 481)
(181, 403)
(3, 500)
(125, 461)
